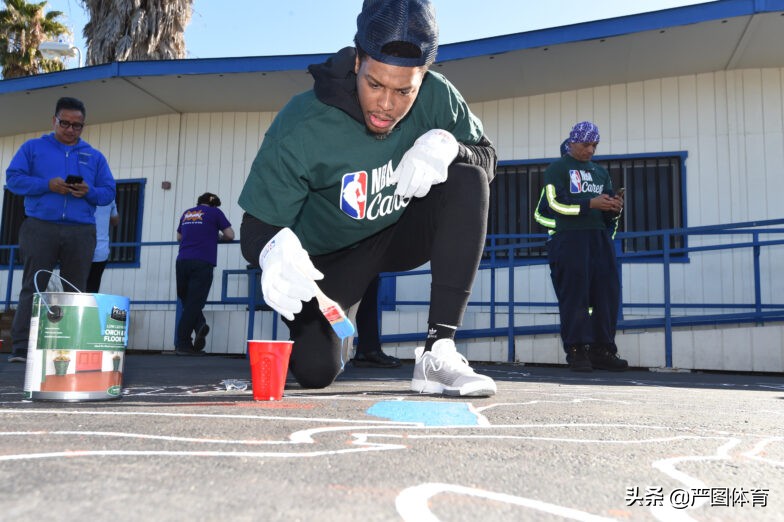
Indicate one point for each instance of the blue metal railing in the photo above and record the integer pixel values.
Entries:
(756, 312)
(501, 257)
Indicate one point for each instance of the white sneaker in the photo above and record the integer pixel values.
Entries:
(444, 370)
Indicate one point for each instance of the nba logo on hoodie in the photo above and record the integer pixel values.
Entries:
(575, 182)
(353, 194)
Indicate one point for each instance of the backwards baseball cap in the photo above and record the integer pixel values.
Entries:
(584, 132)
(409, 23)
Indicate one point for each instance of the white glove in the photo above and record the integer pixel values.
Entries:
(425, 164)
(287, 274)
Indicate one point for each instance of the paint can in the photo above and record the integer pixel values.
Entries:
(77, 347)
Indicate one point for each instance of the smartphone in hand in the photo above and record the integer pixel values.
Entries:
(73, 180)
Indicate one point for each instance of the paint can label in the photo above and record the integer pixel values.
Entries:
(77, 346)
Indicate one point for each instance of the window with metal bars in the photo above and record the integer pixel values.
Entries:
(130, 206)
(654, 199)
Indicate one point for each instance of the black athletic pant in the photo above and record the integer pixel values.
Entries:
(584, 274)
(194, 279)
(447, 227)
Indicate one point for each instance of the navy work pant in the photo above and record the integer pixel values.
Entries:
(585, 275)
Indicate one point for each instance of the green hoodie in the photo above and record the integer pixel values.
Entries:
(321, 173)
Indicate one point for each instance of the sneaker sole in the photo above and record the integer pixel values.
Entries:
(479, 389)
(366, 364)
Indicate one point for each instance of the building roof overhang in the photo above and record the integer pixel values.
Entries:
(716, 36)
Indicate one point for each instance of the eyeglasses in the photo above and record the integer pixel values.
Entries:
(64, 124)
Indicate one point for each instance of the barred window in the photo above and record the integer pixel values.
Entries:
(655, 199)
(130, 205)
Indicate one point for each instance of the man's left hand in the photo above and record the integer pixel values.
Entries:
(425, 164)
(606, 203)
(78, 190)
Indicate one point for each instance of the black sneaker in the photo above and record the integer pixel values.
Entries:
(375, 360)
(201, 338)
(577, 357)
(604, 357)
(189, 352)
(17, 357)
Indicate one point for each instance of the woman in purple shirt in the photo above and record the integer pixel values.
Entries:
(199, 231)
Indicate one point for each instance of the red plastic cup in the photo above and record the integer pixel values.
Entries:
(269, 364)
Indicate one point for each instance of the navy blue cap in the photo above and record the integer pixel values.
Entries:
(412, 22)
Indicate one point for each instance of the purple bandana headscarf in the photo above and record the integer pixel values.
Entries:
(584, 132)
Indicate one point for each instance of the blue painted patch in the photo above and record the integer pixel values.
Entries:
(426, 413)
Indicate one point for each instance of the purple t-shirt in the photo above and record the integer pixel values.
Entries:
(199, 227)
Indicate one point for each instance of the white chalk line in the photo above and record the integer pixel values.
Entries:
(667, 512)
(366, 439)
(755, 452)
(412, 503)
(361, 438)
(197, 415)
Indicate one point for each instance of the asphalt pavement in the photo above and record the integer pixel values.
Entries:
(186, 442)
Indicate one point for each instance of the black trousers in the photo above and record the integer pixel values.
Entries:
(43, 245)
(447, 228)
(367, 320)
(194, 279)
(585, 275)
(94, 278)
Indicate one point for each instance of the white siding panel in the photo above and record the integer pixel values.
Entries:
(492, 124)
(635, 117)
(536, 124)
(755, 152)
(752, 101)
(618, 143)
(703, 207)
(568, 117)
(520, 146)
(585, 107)
(505, 137)
(671, 113)
(652, 120)
(767, 349)
(602, 114)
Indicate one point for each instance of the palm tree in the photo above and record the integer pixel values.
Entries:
(121, 30)
(23, 27)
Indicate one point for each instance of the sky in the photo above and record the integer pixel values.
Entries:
(232, 28)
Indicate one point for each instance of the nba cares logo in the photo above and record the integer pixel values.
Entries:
(575, 182)
(353, 194)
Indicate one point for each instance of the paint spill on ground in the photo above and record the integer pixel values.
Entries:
(428, 413)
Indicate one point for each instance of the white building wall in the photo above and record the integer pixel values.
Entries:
(731, 124)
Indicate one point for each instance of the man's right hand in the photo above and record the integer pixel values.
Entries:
(58, 186)
(288, 276)
(606, 203)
